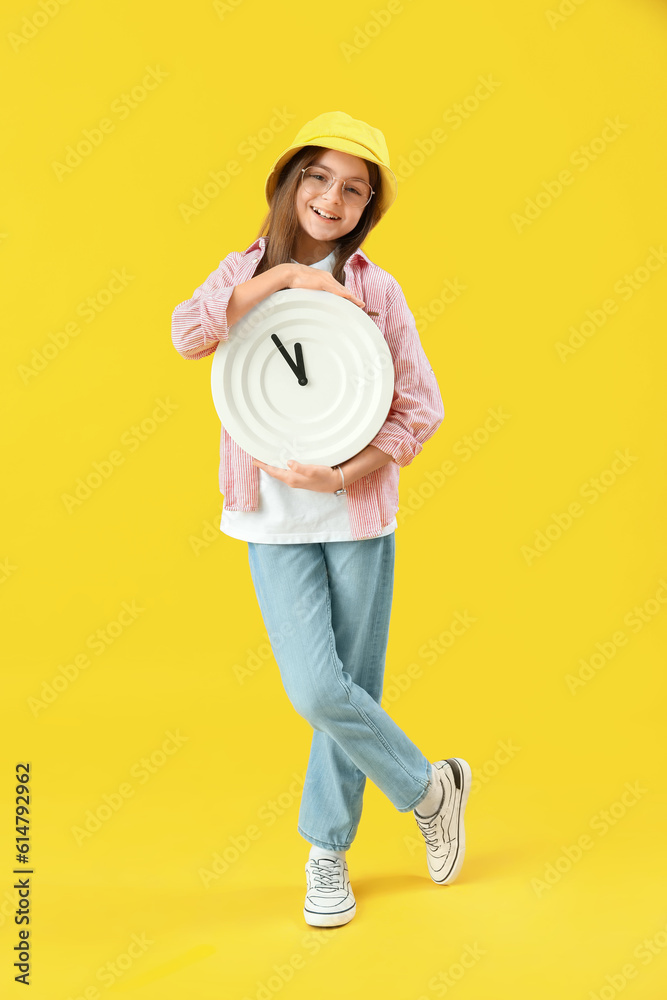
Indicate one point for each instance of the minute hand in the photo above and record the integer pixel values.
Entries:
(298, 368)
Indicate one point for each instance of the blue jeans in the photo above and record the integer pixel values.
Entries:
(326, 608)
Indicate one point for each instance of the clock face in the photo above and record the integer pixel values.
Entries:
(305, 374)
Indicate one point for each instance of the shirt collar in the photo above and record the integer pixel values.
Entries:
(261, 241)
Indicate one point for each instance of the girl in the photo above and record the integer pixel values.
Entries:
(321, 540)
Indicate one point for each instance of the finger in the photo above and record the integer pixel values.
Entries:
(271, 469)
(304, 473)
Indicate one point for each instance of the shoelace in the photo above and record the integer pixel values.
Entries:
(327, 876)
(427, 828)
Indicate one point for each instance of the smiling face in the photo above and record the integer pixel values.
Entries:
(317, 236)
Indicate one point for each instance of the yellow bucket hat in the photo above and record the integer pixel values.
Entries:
(337, 130)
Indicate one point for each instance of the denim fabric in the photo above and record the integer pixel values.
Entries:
(326, 607)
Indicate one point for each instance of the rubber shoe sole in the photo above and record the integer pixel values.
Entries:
(444, 831)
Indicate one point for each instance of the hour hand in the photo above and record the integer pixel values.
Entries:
(297, 367)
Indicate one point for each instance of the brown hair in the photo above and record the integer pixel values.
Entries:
(281, 224)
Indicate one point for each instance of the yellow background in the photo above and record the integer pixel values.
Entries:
(540, 923)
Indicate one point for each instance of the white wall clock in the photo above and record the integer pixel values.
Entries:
(305, 374)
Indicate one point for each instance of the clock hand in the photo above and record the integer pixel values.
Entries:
(299, 360)
(298, 368)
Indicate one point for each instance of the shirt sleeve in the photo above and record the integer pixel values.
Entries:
(198, 324)
(417, 409)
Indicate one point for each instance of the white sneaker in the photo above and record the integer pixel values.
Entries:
(329, 899)
(443, 831)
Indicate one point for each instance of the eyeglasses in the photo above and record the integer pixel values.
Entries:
(317, 180)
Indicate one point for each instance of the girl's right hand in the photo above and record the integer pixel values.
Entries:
(303, 276)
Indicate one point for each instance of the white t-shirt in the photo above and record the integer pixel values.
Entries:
(289, 514)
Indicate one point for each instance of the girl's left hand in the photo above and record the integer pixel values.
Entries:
(321, 478)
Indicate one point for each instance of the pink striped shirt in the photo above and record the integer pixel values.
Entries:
(199, 323)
